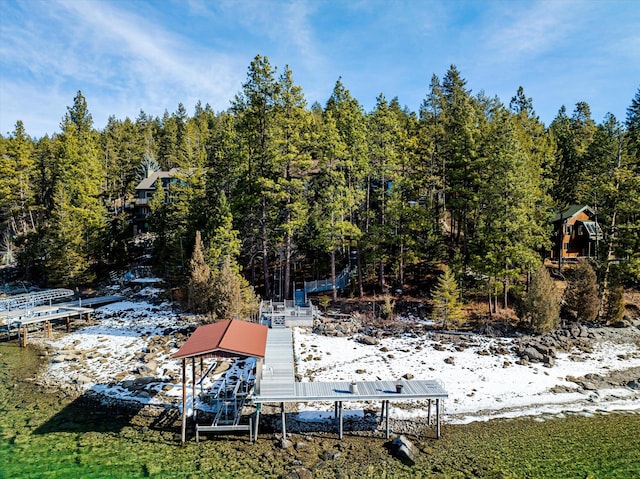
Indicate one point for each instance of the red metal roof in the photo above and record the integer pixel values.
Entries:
(230, 336)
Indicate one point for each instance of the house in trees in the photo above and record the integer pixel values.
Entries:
(145, 191)
(576, 233)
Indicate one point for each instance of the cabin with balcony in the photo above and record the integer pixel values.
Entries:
(576, 233)
(144, 192)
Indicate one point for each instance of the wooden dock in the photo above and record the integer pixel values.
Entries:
(23, 314)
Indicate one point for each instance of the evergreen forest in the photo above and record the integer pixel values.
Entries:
(276, 191)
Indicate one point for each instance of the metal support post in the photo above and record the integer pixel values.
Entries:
(284, 425)
(388, 431)
(184, 401)
(193, 388)
(438, 418)
(255, 434)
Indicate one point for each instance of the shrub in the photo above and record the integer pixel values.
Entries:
(541, 305)
(323, 302)
(387, 308)
(614, 307)
(581, 296)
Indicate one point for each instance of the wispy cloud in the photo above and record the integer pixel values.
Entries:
(523, 31)
(97, 46)
(300, 33)
(152, 52)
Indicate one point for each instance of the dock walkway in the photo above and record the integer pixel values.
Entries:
(277, 385)
(26, 311)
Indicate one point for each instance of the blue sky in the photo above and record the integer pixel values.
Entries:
(127, 56)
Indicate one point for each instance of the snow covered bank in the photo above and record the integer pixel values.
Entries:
(126, 354)
(481, 385)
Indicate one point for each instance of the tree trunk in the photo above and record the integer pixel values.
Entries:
(359, 262)
(265, 257)
(287, 267)
(334, 291)
(401, 266)
(506, 293)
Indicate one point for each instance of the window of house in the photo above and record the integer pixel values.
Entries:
(568, 229)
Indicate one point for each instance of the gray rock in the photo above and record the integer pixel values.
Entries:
(300, 473)
(148, 368)
(404, 450)
(635, 385)
(545, 350)
(369, 340)
(327, 456)
(285, 443)
(532, 354)
(81, 379)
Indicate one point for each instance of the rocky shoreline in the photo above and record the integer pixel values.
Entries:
(143, 376)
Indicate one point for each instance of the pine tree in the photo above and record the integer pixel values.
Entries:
(124, 149)
(572, 136)
(430, 174)
(541, 305)
(223, 242)
(445, 299)
(460, 121)
(16, 181)
(581, 295)
(344, 146)
(334, 199)
(294, 138)
(200, 282)
(430, 148)
(232, 297)
(65, 254)
(255, 111)
(78, 176)
(508, 230)
(629, 174)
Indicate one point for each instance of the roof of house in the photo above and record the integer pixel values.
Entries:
(229, 337)
(148, 182)
(571, 211)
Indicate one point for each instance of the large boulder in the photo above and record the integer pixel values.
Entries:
(404, 450)
(532, 354)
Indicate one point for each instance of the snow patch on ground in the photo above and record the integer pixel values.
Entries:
(111, 355)
(479, 386)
